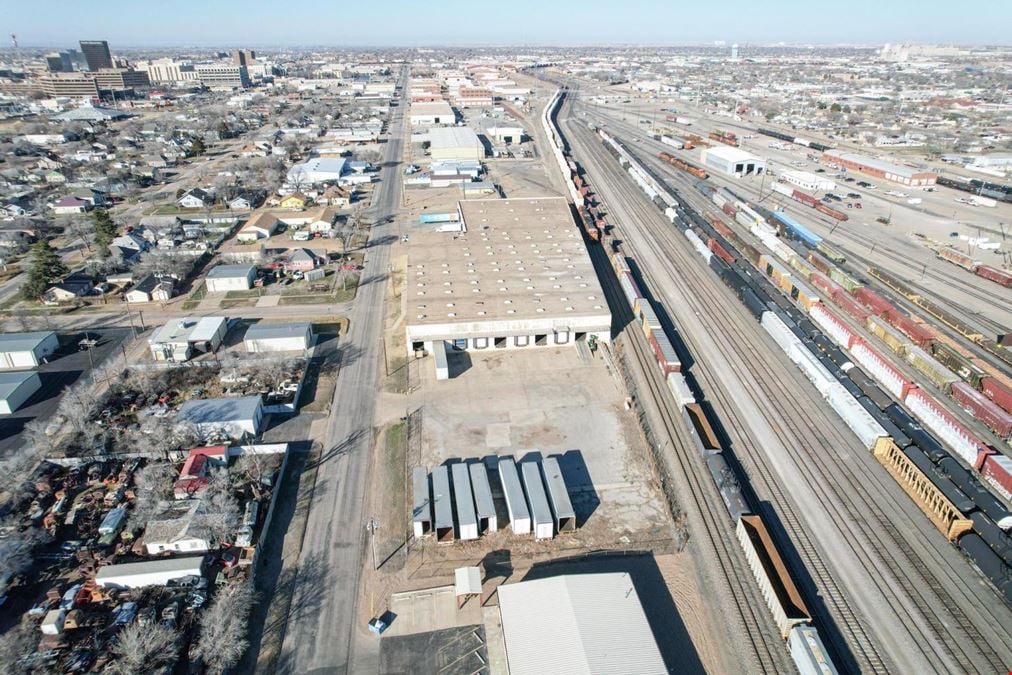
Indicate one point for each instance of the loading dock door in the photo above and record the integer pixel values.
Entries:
(541, 340)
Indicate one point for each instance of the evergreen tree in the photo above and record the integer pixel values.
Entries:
(105, 231)
(46, 269)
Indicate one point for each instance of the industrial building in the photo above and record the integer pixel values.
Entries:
(317, 170)
(148, 573)
(26, 350)
(807, 180)
(180, 339)
(516, 275)
(455, 144)
(279, 337)
(732, 161)
(576, 624)
(16, 388)
(878, 168)
(429, 114)
(234, 417)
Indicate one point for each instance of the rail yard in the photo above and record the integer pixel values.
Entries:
(888, 570)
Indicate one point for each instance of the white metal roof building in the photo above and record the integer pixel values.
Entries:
(16, 388)
(148, 573)
(317, 170)
(430, 114)
(455, 143)
(178, 340)
(26, 350)
(732, 161)
(232, 416)
(577, 624)
(279, 337)
(806, 180)
(224, 278)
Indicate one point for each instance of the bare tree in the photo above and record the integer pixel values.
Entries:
(16, 548)
(255, 468)
(78, 407)
(154, 492)
(223, 638)
(141, 649)
(218, 516)
(18, 642)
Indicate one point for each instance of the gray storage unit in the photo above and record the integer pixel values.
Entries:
(441, 504)
(421, 512)
(541, 513)
(16, 388)
(516, 503)
(467, 520)
(558, 495)
(487, 521)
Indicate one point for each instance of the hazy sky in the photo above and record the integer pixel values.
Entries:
(533, 22)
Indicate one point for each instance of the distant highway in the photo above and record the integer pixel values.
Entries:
(323, 621)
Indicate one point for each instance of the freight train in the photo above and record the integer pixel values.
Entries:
(793, 139)
(999, 191)
(683, 165)
(957, 257)
(725, 137)
(951, 495)
(809, 200)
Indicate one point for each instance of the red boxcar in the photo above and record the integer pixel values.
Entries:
(913, 330)
(826, 285)
(998, 392)
(720, 251)
(719, 225)
(997, 470)
(998, 276)
(820, 262)
(982, 408)
(873, 301)
(729, 209)
(851, 306)
(804, 198)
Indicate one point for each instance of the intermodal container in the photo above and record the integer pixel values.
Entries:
(937, 419)
(666, 356)
(894, 339)
(982, 408)
(998, 276)
(998, 392)
(881, 370)
(629, 287)
(873, 301)
(997, 470)
(649, 318)
(926, 365)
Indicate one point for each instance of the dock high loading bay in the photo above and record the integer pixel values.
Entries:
(516, 275)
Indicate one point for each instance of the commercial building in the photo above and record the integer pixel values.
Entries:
(431, 114)
(732, 161)
(279, 337)
(149, 572)
(474, 97)
(516, 275)
(96, 54)
(120, 79)
(506, 134)
(223, 76)
(16, 388)
(243, 57)
(577, 624)
(169, 71)
(91, 113)
(807, 180)
(26, 350)
(224, 278)
(455, 144)
(317, 170)
(181, 339)
(71, 85)
(878, 168)
(233, 417)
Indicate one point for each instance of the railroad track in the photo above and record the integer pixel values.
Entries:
(893, 542)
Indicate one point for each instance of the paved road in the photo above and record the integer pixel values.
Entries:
(321, 632)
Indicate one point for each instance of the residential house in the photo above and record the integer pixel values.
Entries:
(70, 205)
(17, 207)
(303, 260)
(260, 226)
(247, 200)
(151, 289)
(337, 195)
(296, 200)
(196, 198)
(194, 475)
(257, 149)
(74, 285)
(178, 530)
(131, 240)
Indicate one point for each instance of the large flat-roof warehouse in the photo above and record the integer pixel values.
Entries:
(518, 275)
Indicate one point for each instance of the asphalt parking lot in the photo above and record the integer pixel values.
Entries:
(64, 369)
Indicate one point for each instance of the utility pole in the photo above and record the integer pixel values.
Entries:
(372, 526)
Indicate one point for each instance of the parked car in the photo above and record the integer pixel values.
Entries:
(125, 614)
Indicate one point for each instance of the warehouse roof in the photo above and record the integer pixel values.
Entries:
(10, 382)
(23, 342)
(186, 564)
(730, 154)
(216, 410)
(517, 259)
(877, 164)
(229, 271)
(268, 331)
(431, 108)
(578, 623)
(453, 137)
(188, 329)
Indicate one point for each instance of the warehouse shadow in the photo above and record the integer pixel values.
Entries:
(458, 362)
(830, 632)
(669, 631)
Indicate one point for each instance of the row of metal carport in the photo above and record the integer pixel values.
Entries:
(536, 499)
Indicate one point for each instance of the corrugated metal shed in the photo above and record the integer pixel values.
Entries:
(467, 521)
(516, 503)
(558, 494)
(541, 513)
(441, 503)
(487, 521)
(577, 624)
(421, 513)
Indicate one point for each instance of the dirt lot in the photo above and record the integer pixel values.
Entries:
(520, 177)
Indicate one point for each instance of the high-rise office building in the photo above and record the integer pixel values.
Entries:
(96, 53)
(243, 57)
(734, 52)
